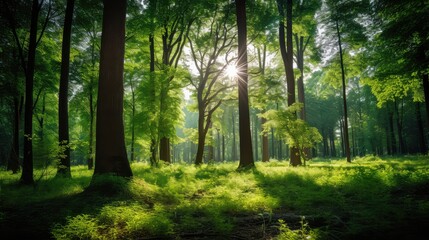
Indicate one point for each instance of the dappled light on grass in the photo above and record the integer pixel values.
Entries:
(369, 197)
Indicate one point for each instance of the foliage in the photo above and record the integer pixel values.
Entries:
(296, 132)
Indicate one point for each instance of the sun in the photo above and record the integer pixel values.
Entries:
(231, 71)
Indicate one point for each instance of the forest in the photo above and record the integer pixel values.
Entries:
(214, 119)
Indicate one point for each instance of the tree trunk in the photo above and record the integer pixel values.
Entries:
(111, 155)
(343, 78)
(201, 135)
(91, 129)
(154, 127)
(401, 149)
(63, 115)
(27, 164)
(164, 150)
(286, 50)
(91, 110)
(392, 134)
(246, 152)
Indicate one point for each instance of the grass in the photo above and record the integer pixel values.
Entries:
(371, 198)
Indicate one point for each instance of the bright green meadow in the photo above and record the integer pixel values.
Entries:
(371, 198)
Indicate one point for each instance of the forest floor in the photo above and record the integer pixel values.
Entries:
(370, 198)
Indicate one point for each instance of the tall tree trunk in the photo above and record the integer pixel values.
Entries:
(111, 155)
(392, 137)
(27, 164)
(246, 152)
(401, 149)
(201, 135)
(286, 50)
(343, 79)
(154, 127)
(91, 128)
(63, 112)
(90, 160)
(164, 150)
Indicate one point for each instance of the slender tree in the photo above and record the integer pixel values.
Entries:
(246, 152)
(63, 116)
(111, 156)
(209, 48)
(286, 50)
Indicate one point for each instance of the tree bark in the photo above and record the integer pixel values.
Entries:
(63, 115)
(154, 127)
(246, 152)
(27, 164)
(343, 78)
(111, 155)
(286, 50)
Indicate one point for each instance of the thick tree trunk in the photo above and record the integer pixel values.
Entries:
(246, 152)
(27, 164)
(343, 79)
(63, 115)
(201, 136)
(111, 155)
(164, 150)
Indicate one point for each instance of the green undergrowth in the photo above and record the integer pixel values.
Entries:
(370, 198)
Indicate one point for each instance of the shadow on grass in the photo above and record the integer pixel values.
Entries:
(361, 206)
(35, 219)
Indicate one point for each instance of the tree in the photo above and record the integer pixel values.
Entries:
(111, 156)
(342, 22)
(28, 66)
(286, 50)
(400, 30)
(246, 152)
(208, 45)
(63, 117)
